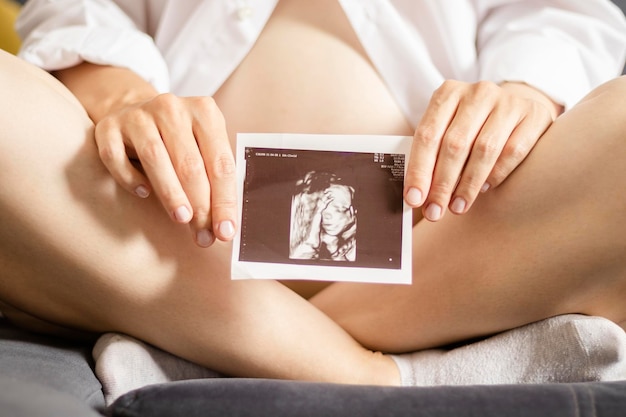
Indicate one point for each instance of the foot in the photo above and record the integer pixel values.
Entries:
(124, 364)
(568, 348)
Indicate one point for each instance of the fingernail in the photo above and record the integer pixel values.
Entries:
(433, 212)
(142, 191)
(226, 228)
(458, 205)
(204, 238)
(182, 214)
(414, 196)
(485, 187)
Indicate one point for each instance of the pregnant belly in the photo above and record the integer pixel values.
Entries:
(308, 73)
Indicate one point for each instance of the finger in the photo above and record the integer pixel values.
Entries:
(473, 110)
(485, 152)
(193, 177)
(175, 127)
(157, 165)
(426, 142)
(112, 152)
(210, 132)
(518, 147)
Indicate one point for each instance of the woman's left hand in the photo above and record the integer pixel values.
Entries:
(471, 137)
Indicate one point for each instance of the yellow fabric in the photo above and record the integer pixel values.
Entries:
(9, 41)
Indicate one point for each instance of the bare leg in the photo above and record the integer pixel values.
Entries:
(549, 241)
(77, 250)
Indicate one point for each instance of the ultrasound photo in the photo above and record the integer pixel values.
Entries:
(321, 214)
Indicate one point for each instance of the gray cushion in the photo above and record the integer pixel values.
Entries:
(29, 399)
(622, 5)
(61, 366)
(271, 398)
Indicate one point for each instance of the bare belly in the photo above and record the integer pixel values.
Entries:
(308, 73)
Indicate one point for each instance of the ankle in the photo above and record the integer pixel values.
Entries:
(394, 378)
(381, 370)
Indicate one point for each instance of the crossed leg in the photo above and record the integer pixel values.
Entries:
(77, 250)
(548, 241)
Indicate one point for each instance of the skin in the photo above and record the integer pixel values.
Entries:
(194, 188)
(471, 137)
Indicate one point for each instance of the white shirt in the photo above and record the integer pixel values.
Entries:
(190, 47)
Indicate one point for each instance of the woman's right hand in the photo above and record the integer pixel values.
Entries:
(184, 155)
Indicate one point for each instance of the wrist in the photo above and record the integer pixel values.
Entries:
(105, 89)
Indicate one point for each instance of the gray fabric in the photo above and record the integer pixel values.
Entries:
(622, 5)
(61, 366)
(25, 399)
(270, 398)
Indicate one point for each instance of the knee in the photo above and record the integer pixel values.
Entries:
(609, 98)
(604, 108)
(616, 90)
(615, 108)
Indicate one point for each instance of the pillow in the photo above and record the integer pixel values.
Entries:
(221, 397)
(20, 398)
(63, 367)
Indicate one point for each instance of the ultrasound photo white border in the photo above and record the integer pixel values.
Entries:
(377, 144)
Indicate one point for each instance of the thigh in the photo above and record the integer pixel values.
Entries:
(71, 240)
(78, 250)
(548, 241)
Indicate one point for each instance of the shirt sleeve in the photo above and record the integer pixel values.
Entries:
(58, 34)
(564, 49)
